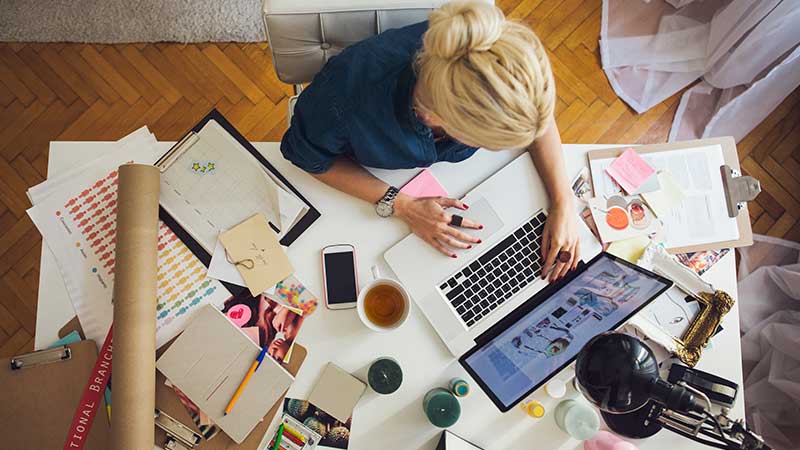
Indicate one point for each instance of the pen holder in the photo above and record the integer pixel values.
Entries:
(441, 407)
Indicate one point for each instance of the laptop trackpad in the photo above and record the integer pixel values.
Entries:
(481, 211)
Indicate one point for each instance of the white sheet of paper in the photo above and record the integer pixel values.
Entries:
(666, 198)
(220, 269)
(701, 217)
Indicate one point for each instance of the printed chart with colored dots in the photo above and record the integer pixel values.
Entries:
(78, 224)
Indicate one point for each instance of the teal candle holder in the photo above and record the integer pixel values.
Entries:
(441, 407)
(385, 376)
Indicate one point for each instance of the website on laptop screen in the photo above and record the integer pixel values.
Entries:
(549, 336)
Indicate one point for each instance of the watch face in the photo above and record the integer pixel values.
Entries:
(384, 209)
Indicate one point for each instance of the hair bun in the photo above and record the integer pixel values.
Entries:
(461, 27)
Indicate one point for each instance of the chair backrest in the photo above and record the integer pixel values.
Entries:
(304, 34)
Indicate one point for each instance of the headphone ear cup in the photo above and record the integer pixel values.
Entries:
(638, 424)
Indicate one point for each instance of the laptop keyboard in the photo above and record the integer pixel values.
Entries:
(508, 267)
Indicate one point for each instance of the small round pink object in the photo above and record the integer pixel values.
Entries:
(605, 440)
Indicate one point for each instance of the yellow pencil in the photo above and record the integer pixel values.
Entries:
(246, 379)
(293, 432)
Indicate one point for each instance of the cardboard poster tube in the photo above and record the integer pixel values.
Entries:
(134, 365)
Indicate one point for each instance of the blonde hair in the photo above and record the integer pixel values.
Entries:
(487, 78)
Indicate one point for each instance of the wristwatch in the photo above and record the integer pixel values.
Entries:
(385, 206)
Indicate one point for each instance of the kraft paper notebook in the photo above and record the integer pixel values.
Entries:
(208, 362)
(41, 398)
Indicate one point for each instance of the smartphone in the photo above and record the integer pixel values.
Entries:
(340, 276)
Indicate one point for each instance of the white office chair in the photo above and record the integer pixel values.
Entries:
(304, 34)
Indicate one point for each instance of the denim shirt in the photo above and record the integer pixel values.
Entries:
(360, 106)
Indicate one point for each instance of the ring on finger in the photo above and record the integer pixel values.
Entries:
(456, 220)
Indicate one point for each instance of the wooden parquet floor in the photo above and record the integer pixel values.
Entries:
(102, 92)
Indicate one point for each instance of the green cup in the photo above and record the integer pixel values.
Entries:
(441, 407)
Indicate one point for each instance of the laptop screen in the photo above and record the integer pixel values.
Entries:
(523, 355)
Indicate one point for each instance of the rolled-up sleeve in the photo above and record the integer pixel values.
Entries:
(318, 132)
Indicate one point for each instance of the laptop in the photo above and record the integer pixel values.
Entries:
(449, 441)
(545, 334)
(463, 297)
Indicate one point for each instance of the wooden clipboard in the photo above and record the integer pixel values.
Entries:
(299, 228)
(167, 401)
(40, 399)
(730, 157)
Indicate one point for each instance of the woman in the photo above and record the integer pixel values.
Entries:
(436, 91)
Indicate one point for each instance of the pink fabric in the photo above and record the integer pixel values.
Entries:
(745, 51)
(769, 308)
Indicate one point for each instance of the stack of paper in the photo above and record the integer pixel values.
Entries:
(76, 214)
(687, 196)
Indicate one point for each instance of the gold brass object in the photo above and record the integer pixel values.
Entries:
(713, 308)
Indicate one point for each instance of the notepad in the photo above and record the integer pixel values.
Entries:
(425, 184)
(337, 392)
(632, 173)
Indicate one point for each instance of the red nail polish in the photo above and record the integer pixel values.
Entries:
(469, 246)
(466, 207)
(479, 241)
(453, 256)
(480, 227)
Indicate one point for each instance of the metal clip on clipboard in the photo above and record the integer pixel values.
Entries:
(179, 436)
(41, 357)
(739, 189)
(176, 151)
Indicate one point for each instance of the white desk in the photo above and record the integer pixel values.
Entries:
(397, 421)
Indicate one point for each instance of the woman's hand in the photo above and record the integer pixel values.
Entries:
(428, 220)
(560, 234)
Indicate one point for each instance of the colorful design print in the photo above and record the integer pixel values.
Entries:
(203, 168)
(700, 262)
(182, 282)
(293, 293)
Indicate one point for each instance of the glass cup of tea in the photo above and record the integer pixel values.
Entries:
(383, 304)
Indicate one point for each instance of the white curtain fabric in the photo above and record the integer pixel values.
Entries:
(769, 306)
(745, 51)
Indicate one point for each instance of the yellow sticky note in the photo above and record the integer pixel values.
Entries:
(669, 196)
(630, 249)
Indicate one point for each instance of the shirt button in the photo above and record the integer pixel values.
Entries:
(325, 46)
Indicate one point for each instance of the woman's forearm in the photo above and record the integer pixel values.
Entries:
(351, 178)
(548, 156)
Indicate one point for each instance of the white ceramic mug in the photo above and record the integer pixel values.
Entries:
(377, 281)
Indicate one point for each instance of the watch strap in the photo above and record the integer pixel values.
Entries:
(390, 195)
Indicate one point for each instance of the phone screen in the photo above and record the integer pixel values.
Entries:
(339, 278)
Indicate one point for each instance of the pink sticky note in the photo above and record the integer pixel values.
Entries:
(424, 185)
(630, 171)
